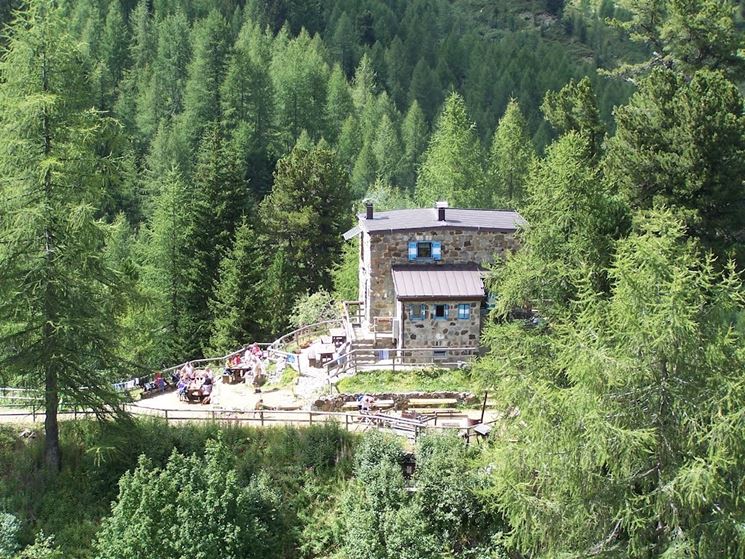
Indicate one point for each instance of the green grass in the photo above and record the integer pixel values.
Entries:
(286, 380)
(423, 380)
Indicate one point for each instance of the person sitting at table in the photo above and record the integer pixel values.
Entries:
(160, 383)
(207, 391)
(255, 349)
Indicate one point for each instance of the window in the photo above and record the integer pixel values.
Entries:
(464, 311)
(439, 354)
(425, 250)
(441, 312)
(417, 312)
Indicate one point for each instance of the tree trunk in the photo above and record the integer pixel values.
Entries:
(52, 454)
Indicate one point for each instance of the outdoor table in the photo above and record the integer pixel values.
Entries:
(325, 352)
(338, 336)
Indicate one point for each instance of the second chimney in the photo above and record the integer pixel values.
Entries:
(441, 210)
(368, 210)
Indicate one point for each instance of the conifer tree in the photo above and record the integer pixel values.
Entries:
(387, 150)
(681, 141)
(626, 442)
(306, 213)
(57, 293)
(451, 166)
(575, 107)
(300, 76)
(163, 97)
(572, 218)
(510, 158)
(339, 104)
(206, 73)
(364, 170)
(414, 134)
(237, 306)
(364, 85)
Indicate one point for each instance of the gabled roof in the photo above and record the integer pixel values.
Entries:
(443, 282)
(426, 218)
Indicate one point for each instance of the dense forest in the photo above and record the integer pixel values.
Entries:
(175, 176)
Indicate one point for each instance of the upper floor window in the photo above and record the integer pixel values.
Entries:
(425, 250)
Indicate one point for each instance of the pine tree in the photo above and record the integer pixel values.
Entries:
(164, 95)
(572, 219)
(451, 166)
(387, 150)
(364, 171)
(681, 142)
(364, 85)
(510, 158)
(206, 74)
(300, 76)
(57, 294)
(306, 213)
(575, 107)
(237, 305)
(168, 259)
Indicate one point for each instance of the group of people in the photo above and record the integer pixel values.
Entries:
(249, 364)
(195, 384)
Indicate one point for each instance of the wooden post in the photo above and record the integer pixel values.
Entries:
(436, 414)
(33, 412)
(483, 407)
(166, 412)
(346, 421)
(310, 418)
(261, 417)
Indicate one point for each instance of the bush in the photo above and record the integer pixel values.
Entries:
(10, 530)
(193, 507)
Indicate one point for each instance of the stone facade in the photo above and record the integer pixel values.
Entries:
(379, 251)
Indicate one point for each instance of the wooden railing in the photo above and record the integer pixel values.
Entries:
(352, 359)
(357, 422)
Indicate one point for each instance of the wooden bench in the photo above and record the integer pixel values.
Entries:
(432, 402)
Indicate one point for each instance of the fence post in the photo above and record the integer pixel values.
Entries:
(33, 412)
(310, 418)
(346, 421)
(436, 418)
(166, 412)
(261, 417)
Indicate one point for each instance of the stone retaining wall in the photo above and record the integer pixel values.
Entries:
(400, 399)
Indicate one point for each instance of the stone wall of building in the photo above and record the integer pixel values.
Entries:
(459, 246)
(447, 333)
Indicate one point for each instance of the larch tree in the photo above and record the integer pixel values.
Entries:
(510, 158)
(451, 167)
(623, 437)
(414, 135)
(57, 293)
(572, 217)
(339, 104)
(237, 305)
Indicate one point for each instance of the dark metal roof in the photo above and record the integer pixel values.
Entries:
(463, 282)
(426, 218)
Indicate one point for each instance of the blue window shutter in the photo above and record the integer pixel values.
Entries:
(447, 310)
(412, 250)
(436, 250)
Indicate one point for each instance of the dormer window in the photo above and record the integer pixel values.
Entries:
(425, 250)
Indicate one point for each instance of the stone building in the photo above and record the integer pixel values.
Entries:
(421, 273)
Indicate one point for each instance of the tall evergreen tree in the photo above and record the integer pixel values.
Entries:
(57, 293)
(306, 213)
(387, 150)
(510, 158)
(575, 107)
(206, 74)
(627, 440)
(339, 104)
(237, 306)
(451, 166)
(681, 142)
(414, 134)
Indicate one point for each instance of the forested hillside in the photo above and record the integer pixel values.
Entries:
(175, 175)
(217, 230)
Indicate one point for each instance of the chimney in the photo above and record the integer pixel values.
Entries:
(441, 210)
(368, 210)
